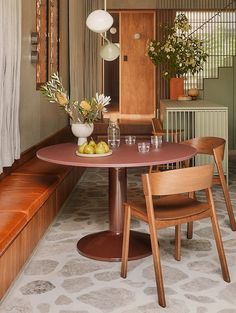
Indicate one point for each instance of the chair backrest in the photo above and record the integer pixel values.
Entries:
(157, 125)
(178, 181)
(207, 145)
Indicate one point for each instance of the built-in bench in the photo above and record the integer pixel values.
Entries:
(31, 194)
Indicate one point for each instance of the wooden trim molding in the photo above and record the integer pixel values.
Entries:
(63, 135)
(47, 27)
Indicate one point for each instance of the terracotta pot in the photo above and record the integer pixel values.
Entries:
(176, 87)
(193, 92)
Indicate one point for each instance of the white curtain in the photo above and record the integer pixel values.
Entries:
(85, 62)
(10, 55)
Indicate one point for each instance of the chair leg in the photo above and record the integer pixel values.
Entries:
(218, 157)
(220, 248)
(150, 169)
(192, 195)
(125, 244)
(154, 168)
(190, 230)
(178, 242)
(157, 266)
(218, 240)
(175, 137)
(228, 203)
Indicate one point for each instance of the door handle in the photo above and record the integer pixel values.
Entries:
(125, 58)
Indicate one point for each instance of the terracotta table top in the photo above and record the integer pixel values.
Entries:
(125, 156)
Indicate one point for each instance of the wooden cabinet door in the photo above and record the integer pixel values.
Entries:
(137, 73)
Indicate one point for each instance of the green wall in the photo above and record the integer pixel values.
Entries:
(39, 119)
(222, 90)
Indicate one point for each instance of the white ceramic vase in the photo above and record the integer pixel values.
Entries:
(82, 131)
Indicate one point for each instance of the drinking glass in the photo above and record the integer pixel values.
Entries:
(156, 141)
(130, 140)
(143, 147)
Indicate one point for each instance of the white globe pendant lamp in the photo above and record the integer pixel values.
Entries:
(109, 51)
(99, 21)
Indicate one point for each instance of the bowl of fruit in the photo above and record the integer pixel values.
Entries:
(92, 149)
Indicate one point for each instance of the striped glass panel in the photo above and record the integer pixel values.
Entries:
(219, 30)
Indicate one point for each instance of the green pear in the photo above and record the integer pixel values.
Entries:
(100, 148)
(105, 145)
(88, 149)
(81, 147)
(92, 143)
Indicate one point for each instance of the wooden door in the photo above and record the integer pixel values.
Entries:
(137, 73)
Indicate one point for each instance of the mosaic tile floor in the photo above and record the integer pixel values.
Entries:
(59, 280)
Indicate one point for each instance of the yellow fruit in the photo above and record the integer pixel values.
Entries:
(81, 147)
(88, 149)
(100, 148)
(105, 145)
(92, 143)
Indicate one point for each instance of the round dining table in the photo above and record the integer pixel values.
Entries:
(107, 245)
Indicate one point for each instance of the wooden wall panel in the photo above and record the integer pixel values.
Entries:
(16, 255)
(137, 73)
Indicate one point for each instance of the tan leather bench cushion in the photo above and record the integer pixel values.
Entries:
(25, 193)
(37, 166)
(11, 223)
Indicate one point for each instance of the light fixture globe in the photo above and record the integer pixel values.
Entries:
(109, 52)
(99, 21)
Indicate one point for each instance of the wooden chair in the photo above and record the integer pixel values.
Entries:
(173, 209)
(213, 146)
(157, 129)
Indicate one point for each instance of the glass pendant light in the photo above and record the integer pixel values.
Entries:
(109, 51)
(99, 21)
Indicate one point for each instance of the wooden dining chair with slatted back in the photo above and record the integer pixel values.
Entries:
(173, 208)
(157, 130)
(214, 146)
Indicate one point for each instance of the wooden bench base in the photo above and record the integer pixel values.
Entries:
(31, 194)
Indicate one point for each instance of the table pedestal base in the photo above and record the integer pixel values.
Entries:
(107, 246)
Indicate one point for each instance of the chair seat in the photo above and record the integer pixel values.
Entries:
(26, 193)
(171, 207)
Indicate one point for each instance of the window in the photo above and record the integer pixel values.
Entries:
(221, 41)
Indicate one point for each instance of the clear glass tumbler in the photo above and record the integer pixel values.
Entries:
(130, 140)
(143, 147)
(156, 141)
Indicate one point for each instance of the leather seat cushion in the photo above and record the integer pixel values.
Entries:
(11, 223)
(37, 166)
(26, 193)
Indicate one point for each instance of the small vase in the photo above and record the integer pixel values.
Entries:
(176, 87)
(193, 92)
(82, 131)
